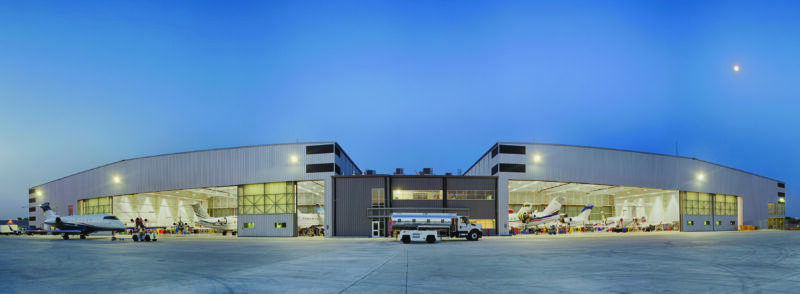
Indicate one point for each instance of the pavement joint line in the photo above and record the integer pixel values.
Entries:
(369, 272)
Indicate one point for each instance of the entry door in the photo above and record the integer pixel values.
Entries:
(376, 229)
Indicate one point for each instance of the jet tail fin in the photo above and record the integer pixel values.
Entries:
(199, 210)
(48, 211)
(554, 205)
(584, 215)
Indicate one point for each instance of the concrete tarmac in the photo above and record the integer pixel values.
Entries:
(660, 262)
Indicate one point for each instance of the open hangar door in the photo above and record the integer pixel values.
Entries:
(197, 210)
(537, 205)
(311, 208)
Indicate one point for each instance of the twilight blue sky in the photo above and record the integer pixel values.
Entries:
(399, 84)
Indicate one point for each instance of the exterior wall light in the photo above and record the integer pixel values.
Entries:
(117, 180)
(38, 193)
(293, 158)
(701, 177)
(537, 158)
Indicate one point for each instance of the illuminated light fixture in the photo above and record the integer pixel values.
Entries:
(38, 193)
(537, 158)
(293, 158)
(701, 177)
(781, 200)
(117, 180)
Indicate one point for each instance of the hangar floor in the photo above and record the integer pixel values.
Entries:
(760, 261)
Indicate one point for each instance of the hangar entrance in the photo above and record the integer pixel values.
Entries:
(311, 208)
(609, 207)
(211, 209)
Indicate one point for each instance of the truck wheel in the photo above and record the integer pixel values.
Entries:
(430, 239)
(406, 239)
(135, 237)
(474, 236)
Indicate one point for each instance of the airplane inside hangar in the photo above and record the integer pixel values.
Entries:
(216, 209)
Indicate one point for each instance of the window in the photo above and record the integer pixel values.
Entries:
(320, 168)
(691, 204)
(249, 225)
(32, 200)
(31, 191)
(94, 206)
(378, 200)
(705, 203)
(110, 217)
(32, 218)
(269, 198)
(470, 194)
(280, 225)
(494, 152)
(781, 185)
(319, 149)
(725, 205)
(733, 223)
(494, 169)
(719, 223)
(776, 208)
(691, 223)
(781, 194)
(337, 169)
(512, 149)
(707, 223)
(417, 195)
(512, 167)
(338, 151)
(485, 223)
(32, 209)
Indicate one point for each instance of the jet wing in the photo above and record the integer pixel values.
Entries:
(52, 232)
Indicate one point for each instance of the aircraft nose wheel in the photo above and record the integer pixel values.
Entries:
(83, 237)
(66, 237)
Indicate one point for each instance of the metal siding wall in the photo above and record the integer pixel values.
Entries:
(265, 225)
(209, 168)
(698, 223)
(478, 209)
(470, 184)
(726, 223)
(353, 197)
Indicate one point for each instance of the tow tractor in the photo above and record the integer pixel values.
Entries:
(144, 236)
(430, 227)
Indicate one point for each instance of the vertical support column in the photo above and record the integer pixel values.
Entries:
(502, 204)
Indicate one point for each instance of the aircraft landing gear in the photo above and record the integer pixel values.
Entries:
(83, 237)
(65, 236)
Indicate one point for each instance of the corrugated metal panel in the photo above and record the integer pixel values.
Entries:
(264, 225)
(352, 198)
(470, 184)
(478, 209)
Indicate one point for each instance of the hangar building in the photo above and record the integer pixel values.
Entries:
(316, 188)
